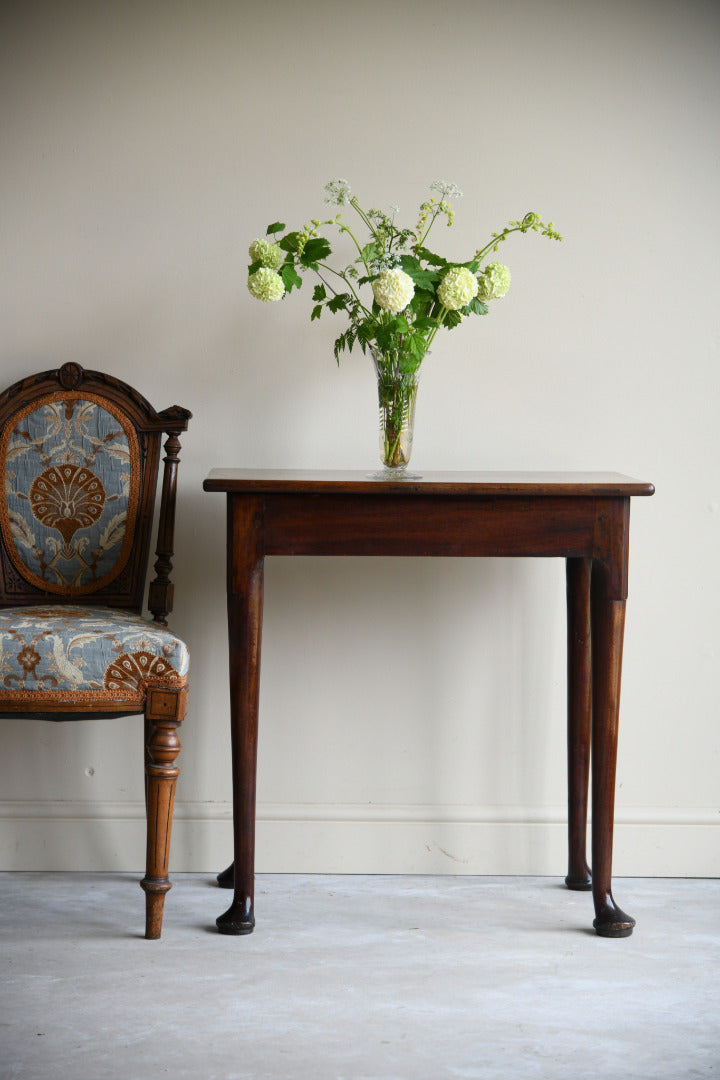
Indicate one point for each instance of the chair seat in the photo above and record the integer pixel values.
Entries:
(91, 655)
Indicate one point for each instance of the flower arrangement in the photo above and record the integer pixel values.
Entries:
(396, 293)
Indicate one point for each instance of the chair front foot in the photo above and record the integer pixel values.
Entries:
(155, 890)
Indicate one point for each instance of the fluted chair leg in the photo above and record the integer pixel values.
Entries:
(164, 712)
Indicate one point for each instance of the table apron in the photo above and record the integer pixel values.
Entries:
(434, 525)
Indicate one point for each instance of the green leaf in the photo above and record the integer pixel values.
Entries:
(290, 277)
(338, 302)
(316, 248)
(319, 292)
(408, 364)
(276, 227)
(369, 252)
(418, 346)
(424, 279)
(431, 257)
(384, 337)
(289, 242)
(341, 343)
(422, 304)
(316, 312)
(365, 333)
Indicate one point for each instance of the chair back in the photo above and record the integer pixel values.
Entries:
(80, 452)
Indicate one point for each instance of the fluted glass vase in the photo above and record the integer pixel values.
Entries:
(397, 394)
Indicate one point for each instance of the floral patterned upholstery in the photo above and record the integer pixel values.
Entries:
(72, 480)
(89, 655)
(80, 455)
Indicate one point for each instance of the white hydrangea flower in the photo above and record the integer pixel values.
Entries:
(266, 253)
(457, 288)
(393, 290)
(494, 281)
(266, 284)
(338, 192)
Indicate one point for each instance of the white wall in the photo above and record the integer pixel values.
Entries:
(412, 712)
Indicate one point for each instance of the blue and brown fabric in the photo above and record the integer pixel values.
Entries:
(72, 479)
(88, 655)
(72, 486)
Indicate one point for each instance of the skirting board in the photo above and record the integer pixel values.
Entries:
(355, 839)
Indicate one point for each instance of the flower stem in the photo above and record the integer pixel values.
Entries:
(366, 220)
(479, 255)
(440, 320)
(344, 228)
(339, 274)
(433, 219)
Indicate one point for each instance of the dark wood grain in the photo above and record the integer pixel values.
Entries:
(579, 717)
(245, 577)
(581, 517)
(317, 481)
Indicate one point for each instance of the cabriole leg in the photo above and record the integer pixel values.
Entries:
(608, 624)
(245, 611)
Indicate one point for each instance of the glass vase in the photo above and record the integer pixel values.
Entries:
(397, 394)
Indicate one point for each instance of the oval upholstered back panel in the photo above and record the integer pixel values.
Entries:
(72, 479)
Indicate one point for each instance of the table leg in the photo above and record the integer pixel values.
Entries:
(245, 609)
(608, 624)
(226, 877)
(579, 699)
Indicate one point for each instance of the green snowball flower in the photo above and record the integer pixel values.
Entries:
(457, 288)
(393, 290)
(266, 285)
(266, 253)
(494, 281)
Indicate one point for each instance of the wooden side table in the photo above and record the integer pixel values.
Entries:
(581, 517)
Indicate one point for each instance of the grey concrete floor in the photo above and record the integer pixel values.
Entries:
(357, 978)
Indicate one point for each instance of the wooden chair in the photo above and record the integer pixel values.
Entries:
(80, 452)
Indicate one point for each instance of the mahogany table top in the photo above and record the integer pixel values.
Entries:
(357, 482)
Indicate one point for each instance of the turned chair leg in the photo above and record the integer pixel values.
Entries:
(164, 712)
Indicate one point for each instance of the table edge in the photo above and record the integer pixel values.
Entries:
(351, 482)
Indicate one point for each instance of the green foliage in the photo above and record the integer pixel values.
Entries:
(314, 251)
(423, 278)
(399, 340)
(290, 277)
(475, 307)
